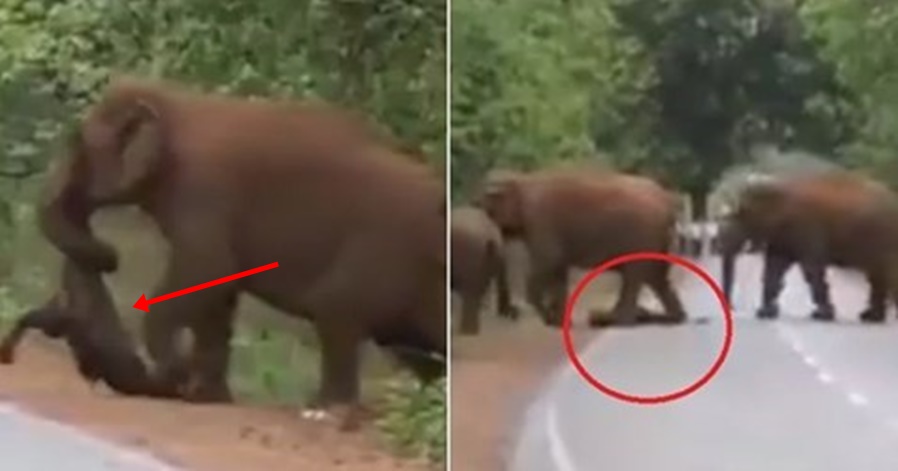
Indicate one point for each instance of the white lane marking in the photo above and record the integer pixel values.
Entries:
(854, 398)
(825, 377)
(559, 453)
(858, 399)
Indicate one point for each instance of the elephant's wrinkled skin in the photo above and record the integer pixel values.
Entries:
(357, 228)
(83, 314)
(478, 260)
(833, 218)
(580, 218)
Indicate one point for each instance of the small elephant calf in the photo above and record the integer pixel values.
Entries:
(82, 313)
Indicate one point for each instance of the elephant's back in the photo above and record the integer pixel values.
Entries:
(842, 195)
(577, 194)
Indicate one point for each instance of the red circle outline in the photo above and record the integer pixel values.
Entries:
(631, 398)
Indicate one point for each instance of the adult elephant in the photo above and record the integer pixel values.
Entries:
(580, 218)
(478, 261)
(831, 218)
(357, 228)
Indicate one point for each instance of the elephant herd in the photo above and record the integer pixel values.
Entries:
(567, 218)
(580, 218)
(356, 224)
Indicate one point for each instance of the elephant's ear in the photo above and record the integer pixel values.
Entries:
(503, 201)
(122, 143)
(142, 147)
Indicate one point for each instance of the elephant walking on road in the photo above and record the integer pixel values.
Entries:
(478, 261)
(832, 218)
(580, 218)
(358, 228)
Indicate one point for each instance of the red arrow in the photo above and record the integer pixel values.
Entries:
(144, 304)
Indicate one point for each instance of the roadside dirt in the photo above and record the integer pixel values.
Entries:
(494, 377)
(497, 373)
(197, 437)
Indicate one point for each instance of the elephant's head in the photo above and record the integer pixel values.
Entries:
(757, 213)
(502, 200)
(112, 159)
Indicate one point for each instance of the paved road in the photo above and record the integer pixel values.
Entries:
(794, 395)
(31, 444)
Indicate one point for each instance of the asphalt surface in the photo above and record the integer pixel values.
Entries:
(793, 395)
(28, 443)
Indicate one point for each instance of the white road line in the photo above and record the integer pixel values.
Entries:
(559, 453)
(825, 377)
(810, 361)
(858, 399)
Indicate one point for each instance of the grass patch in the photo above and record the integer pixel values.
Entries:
(414, 419)
(271, 366)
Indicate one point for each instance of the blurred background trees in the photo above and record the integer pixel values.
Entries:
(681, 90)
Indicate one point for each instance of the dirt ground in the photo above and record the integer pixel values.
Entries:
(494, 377)
(197, 437)
(497, 373)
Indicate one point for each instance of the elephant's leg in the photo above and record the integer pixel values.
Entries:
(340, 370)
(814, 273)
(626, 311)
(536, 291)
(775, 268)
(189, 265)
(471, 302)
(556, 288)
(660, 284)
(879, 289)
(212, 332)
(504, 306)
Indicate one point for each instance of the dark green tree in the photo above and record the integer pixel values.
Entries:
(727, 74)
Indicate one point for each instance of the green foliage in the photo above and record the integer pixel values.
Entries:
(861, 38)
(271, 366)
(730, 74)
(677, 89)
(415, 418)
(523, 76)
(387, 58)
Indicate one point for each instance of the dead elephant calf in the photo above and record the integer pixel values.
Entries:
(83, 314)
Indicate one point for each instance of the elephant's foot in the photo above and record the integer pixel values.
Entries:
(203, 393)
(510, 312)
(467, 329)
(552, 320)
(873, 316)
(824, 314)
(629, 318)
(768, 312)
(6, 355)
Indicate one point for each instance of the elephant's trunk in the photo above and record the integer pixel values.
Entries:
(63, 217)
